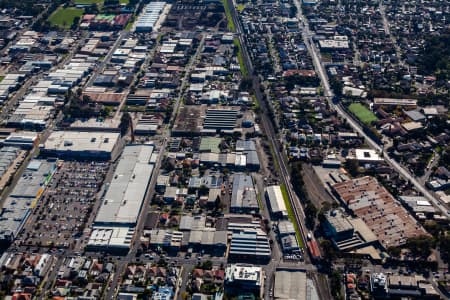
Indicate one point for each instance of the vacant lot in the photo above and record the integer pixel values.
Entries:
(63, 17)
(362, 113)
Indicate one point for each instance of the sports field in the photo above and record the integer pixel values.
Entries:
(362, 113)
(63, 17)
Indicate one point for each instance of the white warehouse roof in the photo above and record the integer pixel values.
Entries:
(77, 141)
(276, 200)
(125, 195)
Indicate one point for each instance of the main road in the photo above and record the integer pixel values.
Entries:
(328, 93)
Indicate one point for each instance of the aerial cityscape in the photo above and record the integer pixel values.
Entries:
(224, 149)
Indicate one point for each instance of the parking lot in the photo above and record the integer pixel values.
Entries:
(61, 215)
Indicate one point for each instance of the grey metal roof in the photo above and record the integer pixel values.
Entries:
(243, 194)
(276, 199)
(125, 195)
(242, 145)
(250, 243)
(17, 206)
(290, 285)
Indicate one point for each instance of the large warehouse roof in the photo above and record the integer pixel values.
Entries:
(250, 243)
(77, 141)
(290, 285)
(125, 195)
(276, 200)
(244, 195)
(23, 197)
(150, 16)
(223, 119)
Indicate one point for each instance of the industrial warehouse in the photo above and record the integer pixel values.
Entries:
(218, 150)
(275, 198)
(122, 203)
(77, 144)
(150, 16)
(23, 198)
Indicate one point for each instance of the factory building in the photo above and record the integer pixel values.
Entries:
(376, 207)
(24, 140)
(290, 284)
(276, 202)
(243, 197)
(220, 119)
(249, 245)
(28, 190)
(117, 216)
(78, 144)
(150, 15)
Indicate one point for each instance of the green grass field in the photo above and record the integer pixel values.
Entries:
(63, 17)
(240, 58)
(231, 26)
(362, 113)
(291, 214)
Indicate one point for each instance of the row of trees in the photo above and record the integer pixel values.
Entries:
(421, 247)
(299, 188)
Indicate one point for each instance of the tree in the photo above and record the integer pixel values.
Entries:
(105, 111)
(444, 246)
(394, 251)
(203, 190)
(337, 86)
(237, 135)
(310, 215)
(217, 203)
(75, 23)
(207, 265)
(329, 252)
(420, 246)
(352, 166)
(432, 227)
(434, 57)
(161, 263)
(125, 122)
(246, 84)
(336, 284)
